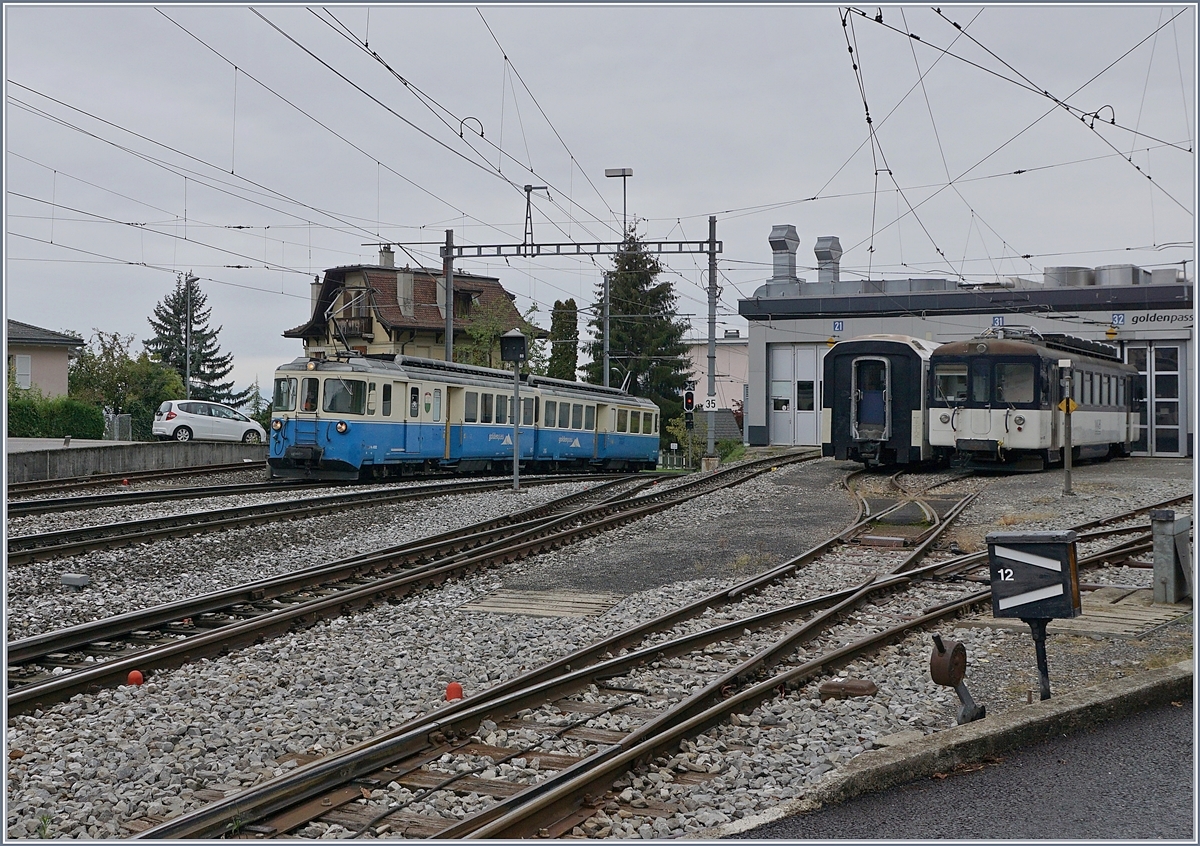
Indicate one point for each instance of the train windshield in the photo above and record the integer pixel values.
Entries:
(950, 382)
(1014, 383)
(285, 394)
(345, 396)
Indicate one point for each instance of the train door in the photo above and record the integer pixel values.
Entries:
(870, 412)
(1159, 404)
(411, 409)
(455, 406)
(980, 417)
(795, 414)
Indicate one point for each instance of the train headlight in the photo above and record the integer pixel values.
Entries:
(945, 418)
(312, 365)
(341, 427)
(276, 424)
(1019, 419)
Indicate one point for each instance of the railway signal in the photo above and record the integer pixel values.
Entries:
(1035, 579)
(689, 401)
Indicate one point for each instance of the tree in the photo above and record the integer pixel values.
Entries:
(484, 327)
(564, 341)
(208, 366)
(645, 335)
(258, 408)
(106, 376)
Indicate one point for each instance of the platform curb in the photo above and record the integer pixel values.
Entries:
(879, 769)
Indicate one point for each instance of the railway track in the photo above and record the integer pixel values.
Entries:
(96, 480)
(23, 549)
(595, 714)
(56, 665)
(47, 505)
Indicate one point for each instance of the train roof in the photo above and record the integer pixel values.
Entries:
(1021, 340)
(432, 368)
(920, 345)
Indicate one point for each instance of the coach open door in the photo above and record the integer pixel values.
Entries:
(870, 413)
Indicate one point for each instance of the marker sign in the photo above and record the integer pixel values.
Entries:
(1034, 575)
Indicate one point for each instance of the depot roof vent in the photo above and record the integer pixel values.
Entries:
(829, 258)
(784, 241)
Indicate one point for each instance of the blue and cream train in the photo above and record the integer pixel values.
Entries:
(357, 418)
(995, 401)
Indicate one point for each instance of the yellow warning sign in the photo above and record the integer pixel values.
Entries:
(1068, 405)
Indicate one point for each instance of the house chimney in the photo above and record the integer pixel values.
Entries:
(314, 290)
(829, 258)
(784, 241)
(387, 258)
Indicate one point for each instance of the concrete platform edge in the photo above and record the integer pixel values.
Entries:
(879, 769)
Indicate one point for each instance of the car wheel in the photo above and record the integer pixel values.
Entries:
(251, 437)
(183, 433)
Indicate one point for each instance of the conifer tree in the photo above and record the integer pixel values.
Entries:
(646, 348)
(208, 366)
(564, 341)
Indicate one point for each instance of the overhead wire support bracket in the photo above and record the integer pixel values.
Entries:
(585, 249)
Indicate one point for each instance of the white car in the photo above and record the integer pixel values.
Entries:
(186, 420)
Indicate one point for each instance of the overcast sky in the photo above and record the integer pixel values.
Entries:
(135, 150)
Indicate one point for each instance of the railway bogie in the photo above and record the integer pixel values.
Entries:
(355, 418)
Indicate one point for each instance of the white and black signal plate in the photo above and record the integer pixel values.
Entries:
(1034, 575)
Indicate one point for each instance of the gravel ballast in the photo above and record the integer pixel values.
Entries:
(82, 768)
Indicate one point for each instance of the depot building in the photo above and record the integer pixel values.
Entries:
(1147, 314)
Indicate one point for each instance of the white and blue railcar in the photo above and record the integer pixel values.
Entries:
(356, 418)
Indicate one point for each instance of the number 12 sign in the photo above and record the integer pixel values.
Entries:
(1034, 575)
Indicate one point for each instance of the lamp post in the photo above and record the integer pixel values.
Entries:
(187, 339)
(624, 173)
(1067, 406)
(513, 347)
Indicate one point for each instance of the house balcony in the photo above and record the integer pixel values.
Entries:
(356, 327)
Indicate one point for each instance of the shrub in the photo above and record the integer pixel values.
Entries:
(730, 449)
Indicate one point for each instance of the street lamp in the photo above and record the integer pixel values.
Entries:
(187, 338)
(624, 173)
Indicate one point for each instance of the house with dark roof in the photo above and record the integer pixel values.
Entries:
(40, 357)
(385, 310)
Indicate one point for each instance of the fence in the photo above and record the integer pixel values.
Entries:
(118, 427)
(672, 459)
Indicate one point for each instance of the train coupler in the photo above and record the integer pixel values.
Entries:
(948, 667)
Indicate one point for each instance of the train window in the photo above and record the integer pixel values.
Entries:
(1107, 383)
(647, 423)
(308, 389)
(1087, 389)
(370, 398)
(551, 412)
(437, 405)
(285, 395)
(1077, 386)
(981, 380)
(1121, 392)
(471, 407)
(564, 415)
(485, 409)
(501, 409)
(589, 418)
(805, 396)
(1014, 383)
(950, 382)
(414, 401)
(577, 416)
(387, 400)
(345, 396)
(622, 420)
(527, 412)
(635, 421)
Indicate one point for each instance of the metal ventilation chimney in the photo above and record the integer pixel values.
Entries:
(784, 241)
(829, 258)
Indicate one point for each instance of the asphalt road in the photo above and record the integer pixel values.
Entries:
(1124, 779)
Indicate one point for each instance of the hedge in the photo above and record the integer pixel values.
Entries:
(54, 418)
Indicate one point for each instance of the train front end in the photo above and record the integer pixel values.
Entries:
(313, 432)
